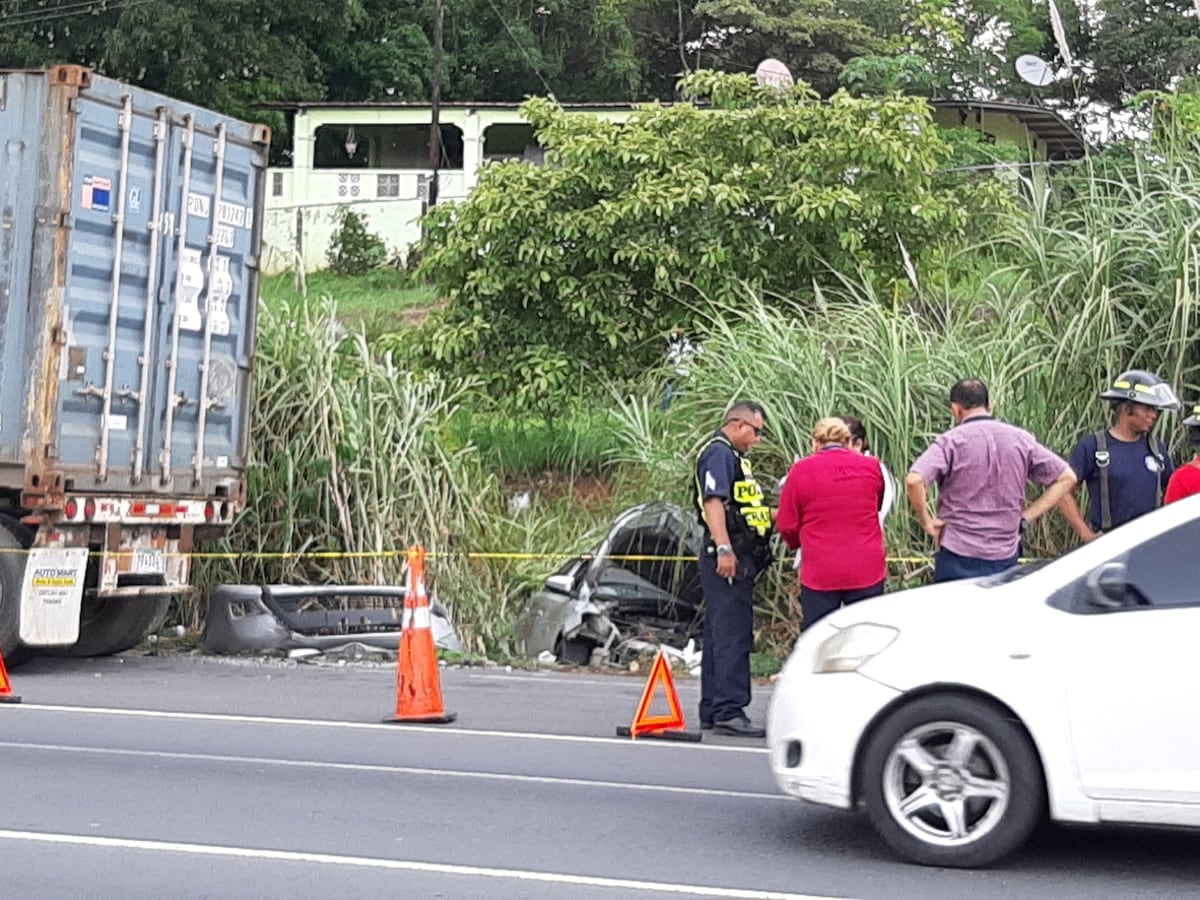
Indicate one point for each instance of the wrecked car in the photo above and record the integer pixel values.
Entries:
(600, 607)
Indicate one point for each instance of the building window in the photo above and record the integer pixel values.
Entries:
(387, 186)
(277, 184)
(511, 141)
(383, 146)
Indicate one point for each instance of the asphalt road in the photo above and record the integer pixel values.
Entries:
(144, 777)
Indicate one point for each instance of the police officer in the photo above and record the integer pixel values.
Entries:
(737, 528)
(1125, 467)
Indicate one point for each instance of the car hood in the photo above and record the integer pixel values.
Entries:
(919, 606)
(952, 632)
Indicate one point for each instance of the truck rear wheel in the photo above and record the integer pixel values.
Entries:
(113, 624)
(13, 537)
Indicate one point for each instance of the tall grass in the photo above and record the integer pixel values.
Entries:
(354, 459)
(1066, 294)
(348, 460)
(578, 442)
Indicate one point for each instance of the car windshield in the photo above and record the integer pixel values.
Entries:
(1014, 574)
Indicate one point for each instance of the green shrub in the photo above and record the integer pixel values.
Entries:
(353, 250)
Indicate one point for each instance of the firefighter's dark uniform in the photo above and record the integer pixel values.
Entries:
(721, 471)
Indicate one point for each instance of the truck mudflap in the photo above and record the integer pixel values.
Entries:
(246, 618)
(52, 595)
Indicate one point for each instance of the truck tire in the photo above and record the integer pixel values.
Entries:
(13, 536)
(113, 624)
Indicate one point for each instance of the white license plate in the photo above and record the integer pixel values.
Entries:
(149, 562)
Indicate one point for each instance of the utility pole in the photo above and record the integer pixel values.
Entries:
(435, 131)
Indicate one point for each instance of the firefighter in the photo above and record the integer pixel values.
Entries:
(735, 550)
(1125, 467)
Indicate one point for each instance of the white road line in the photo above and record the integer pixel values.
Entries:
(363, 862)
(397, 770)
(441, 730)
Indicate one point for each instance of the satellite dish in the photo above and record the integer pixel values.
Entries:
(1034, 70)
(773, 73)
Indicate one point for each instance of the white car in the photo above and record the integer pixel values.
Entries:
(960, 715)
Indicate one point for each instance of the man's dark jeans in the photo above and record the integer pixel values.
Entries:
(950, 566)
(728, 640)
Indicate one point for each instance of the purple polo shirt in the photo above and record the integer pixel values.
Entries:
(981, 468)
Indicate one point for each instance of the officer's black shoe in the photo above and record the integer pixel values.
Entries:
(740, 727)
(706, 725)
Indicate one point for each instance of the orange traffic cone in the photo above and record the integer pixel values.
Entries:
(669, 727)
(418, 686)
(6, 691)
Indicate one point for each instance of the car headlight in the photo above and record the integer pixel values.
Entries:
(853, 647)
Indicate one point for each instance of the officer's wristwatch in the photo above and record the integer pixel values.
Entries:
(724, 549)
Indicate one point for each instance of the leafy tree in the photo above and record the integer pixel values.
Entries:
(34, 33)
(385, 54)
(503, 50)
(954, 51)
(814, 37)
(1143, 45)
(571, 272)
(875, 76)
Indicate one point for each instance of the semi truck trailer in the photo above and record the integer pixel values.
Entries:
(130, 233)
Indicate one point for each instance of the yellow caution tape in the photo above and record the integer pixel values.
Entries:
(393, 554)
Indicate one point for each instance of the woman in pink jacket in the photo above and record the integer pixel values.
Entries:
(829, 509)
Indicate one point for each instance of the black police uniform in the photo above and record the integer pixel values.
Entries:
(721, 471)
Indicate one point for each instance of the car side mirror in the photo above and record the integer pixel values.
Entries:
(1108, 586)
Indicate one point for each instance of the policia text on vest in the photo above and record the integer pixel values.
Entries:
(747, 517)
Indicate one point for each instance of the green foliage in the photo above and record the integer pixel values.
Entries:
(814, 37)
(578, 443)
(1141, 45)
(353, 249)
(348, 460)
(1063, 296)
(559, 278)
(874, 76)
(353, 454)
(1174, 116)
(379, 302)
(935, 50)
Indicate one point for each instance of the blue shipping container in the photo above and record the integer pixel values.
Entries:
(128, 288)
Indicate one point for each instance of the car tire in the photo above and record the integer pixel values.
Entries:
(950, 780)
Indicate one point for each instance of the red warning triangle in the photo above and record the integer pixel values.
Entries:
(6, 691)
(643, 722)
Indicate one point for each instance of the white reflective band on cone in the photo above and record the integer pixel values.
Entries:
(417, 618)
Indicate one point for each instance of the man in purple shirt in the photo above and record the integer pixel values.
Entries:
(980, 468)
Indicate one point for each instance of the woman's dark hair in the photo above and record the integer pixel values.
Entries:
(858, 431)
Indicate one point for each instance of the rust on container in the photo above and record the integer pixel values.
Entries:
(41, 475)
